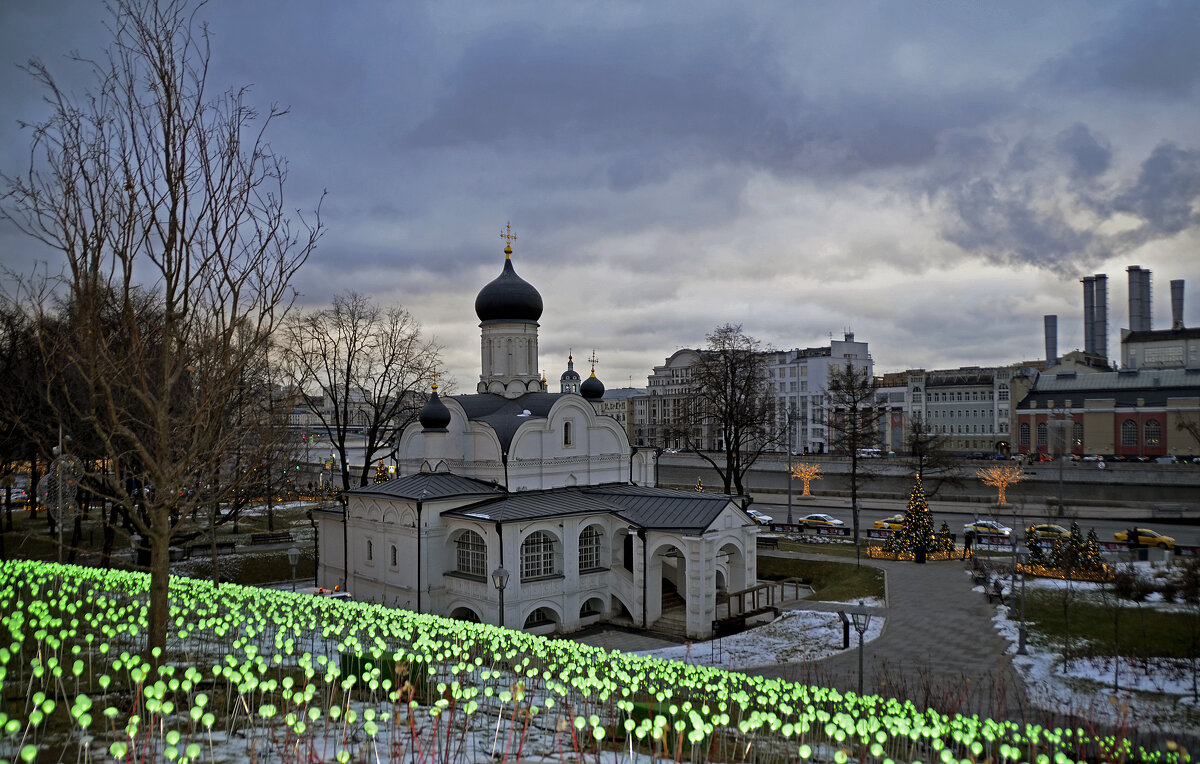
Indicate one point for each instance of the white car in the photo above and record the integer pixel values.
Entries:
(988, 528)
(759, 517)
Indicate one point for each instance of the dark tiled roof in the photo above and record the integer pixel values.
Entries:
(1154, 386)
(650, 508)
(1159, 335)
(504, 415)
(429, 485)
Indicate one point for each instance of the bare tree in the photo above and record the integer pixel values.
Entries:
(167, 204)
(372, 367)
(853, 423)
(928, 456)
(727, 417)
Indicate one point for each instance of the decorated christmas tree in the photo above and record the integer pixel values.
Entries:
(945, 544)
(1033, 542)
(381, 475)
(916, 533)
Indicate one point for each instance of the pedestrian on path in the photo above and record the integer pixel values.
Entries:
(968, 539)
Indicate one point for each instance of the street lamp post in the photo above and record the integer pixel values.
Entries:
(1021, 630)
(862, 620)
(790, 414)
(500, 580)
(293, 558)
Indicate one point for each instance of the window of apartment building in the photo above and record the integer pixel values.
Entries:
(470, 554)
(804, 371)
(1077, 434)
(1002, 393)
(804, 386)
(537, 555)
(1129, 433)
(1023, 434)
(1153, 432)
(1041, 433)
(916, 397)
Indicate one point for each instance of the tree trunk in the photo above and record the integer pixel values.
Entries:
(160, 579)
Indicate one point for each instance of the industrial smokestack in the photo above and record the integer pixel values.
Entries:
(1100, 330)
(1177, 304)
(1139, 307)
(1089, 313)
(1146, 299)
(1051, 340)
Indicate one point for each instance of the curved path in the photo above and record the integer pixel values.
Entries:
(938, 646)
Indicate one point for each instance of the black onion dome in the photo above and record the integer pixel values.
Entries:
(592, 388)
(434, 415)
(508, 297)
(570, 375)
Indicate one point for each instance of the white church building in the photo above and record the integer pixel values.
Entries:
(530, 509)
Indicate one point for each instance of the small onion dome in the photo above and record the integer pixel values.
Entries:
(508, 297)
(434, 415)
(592, 388)
(570, 378)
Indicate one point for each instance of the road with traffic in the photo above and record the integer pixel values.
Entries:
(1106, 520)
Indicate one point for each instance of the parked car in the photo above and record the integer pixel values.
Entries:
(759, 517)
(893, 523)
(1147, 537)
(1093, 458)
(1168, 459)
(819, 520)
(1045, 458)
(988, 528)
(1049, 531)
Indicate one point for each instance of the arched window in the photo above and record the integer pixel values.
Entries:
(470, 554)
(370, 550)
(1023, 438)
(537, 555)
(589, 548)
(1129, 433)
(568, 434)
(395, 557)
(1077, 434)
(1041, 433)
(1153, 432)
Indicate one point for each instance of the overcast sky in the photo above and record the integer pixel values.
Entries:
(934, 176)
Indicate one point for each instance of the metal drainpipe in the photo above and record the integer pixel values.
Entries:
(419, 503)
(641, 534)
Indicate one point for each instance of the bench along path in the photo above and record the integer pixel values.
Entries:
(938, 645)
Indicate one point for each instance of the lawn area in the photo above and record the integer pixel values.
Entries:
(1153, 631)
(831, 580)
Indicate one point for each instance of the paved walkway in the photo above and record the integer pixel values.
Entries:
(938, 645)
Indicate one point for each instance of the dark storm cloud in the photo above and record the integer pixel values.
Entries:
(1001, 225)
(659, 99)
(1166, 193)
(1146, 49)
(1088, 155)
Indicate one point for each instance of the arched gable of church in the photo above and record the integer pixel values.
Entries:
(571, 428)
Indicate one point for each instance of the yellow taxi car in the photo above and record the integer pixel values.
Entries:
(1049, 531)
(820, 520)
(893, 523)
(1146, 537)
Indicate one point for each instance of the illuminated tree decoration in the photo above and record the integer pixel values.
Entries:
(806, 473)
(381, 475)
(1001, 477)
(1033, 542)
(916, 532)
(944, 544)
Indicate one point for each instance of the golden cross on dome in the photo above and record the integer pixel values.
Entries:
(507, 234)
(434, 374)
(593, 360)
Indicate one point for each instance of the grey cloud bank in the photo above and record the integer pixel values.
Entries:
(935, 177)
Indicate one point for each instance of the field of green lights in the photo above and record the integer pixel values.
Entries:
(268, 676)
